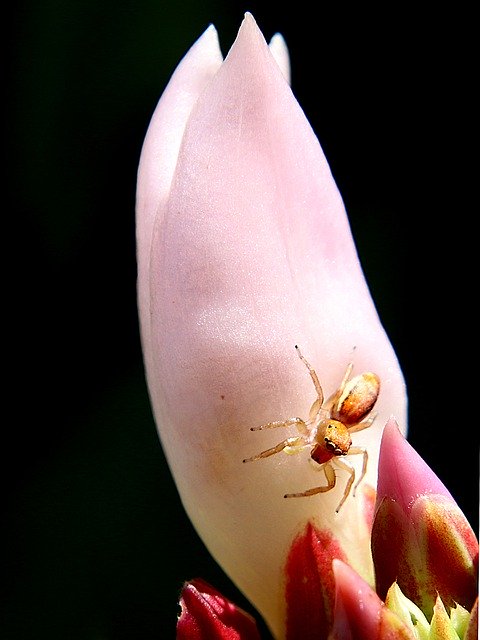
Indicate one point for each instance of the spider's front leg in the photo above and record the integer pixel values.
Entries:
(295, 444)
(313, 375)
(282, 423)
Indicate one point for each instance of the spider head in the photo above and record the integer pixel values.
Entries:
(337, 438)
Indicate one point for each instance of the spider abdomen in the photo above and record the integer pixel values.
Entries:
(357, 399)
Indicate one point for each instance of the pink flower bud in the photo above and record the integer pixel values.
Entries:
(310, 588)
(420, 537)
(359, 612)
(244, 250)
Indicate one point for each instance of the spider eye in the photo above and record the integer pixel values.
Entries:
(329, 445)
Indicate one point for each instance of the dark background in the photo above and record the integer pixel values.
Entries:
(96, 544)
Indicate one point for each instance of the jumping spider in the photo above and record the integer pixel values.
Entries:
(327, 432)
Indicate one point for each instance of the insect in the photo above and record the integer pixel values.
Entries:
(327, 432)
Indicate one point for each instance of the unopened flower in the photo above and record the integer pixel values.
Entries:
(360, 613)
(207, 615)
(420, 537)
(244, 251)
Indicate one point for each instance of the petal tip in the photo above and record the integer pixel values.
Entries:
(402, 474)
(279, 50)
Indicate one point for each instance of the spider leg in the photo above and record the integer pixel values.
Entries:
(362, 425)
(345, 377)
(350, 481)
(313, 375)
(353, 451)
(294, 442)
(331, 479)
(279, 423)
(335, 396)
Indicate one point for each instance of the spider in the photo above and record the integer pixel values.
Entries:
(327, 432)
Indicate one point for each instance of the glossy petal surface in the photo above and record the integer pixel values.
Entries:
(248, 254)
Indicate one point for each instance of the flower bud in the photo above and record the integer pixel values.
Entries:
(420, 537)
(359, 612)
(207, 615)
(244, 250)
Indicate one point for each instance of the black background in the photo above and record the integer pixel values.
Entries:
(96, 544)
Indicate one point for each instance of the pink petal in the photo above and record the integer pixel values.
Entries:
(160, 152)
(279, 50)
(402, 474)
(359, 612)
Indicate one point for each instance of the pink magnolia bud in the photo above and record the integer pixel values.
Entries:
(420, 538)
(244, 250)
